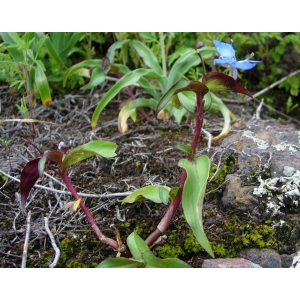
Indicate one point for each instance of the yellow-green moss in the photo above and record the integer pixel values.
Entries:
(209, 212)
(233, 238)
(167, 250)
(125, 225)
(75, 253)
(173, 134)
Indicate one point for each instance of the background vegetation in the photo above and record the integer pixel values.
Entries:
(55, 53)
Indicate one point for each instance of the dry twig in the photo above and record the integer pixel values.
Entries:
(56, 249)
(24, 257)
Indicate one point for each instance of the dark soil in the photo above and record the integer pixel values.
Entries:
(146, 155)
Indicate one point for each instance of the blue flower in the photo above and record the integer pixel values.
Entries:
(227, 59)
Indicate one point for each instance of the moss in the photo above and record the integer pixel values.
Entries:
(172, 134)
(225, 241)
(167, 250)
(138, 230)
(252, 235)
(125, 225)
(227, 167)
(191, 245)
(75, 253)
(209, 212)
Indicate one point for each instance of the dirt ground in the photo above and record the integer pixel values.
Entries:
(146, 155)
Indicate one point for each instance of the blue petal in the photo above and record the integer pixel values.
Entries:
(244, 65)
(224, 60)
(224, 49)
(234, 73)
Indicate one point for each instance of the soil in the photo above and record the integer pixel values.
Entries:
(146, 155)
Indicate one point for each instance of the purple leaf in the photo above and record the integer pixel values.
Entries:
(216, 81)
(29, 176)
(105, 63)
(56, 155)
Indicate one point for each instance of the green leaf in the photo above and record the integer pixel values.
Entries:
(187, 60)
(70, 40)
(97, 78)
(185, 148)
(143, 102)
(167, 97)
(155, 193)
(188, 100)
(141, 252)
(150, 88)
(112, 49)
(137, 246)
(15, 53)
(128, 79)
(120, 262)
(102, 148)
(148, 56)
(11, 38)
(173, 193)
(151, 261)
(51, 49)
(193, 196)
(41, 165)
(42, 85)
(89, 63)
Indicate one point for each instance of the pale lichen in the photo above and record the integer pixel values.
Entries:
(289, 189)
(261, 144)
(284, 146)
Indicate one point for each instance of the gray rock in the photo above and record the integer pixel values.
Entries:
(266, 258)
(229, 263)
(287, 260)
(267, 148)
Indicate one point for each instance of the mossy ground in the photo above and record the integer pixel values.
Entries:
(226, 241)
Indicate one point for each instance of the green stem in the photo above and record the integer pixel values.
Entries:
(163, 53)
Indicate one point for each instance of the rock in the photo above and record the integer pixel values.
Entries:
(237, 195)
(229, 263)
(263, 150)
(266, 258)
(287, 260)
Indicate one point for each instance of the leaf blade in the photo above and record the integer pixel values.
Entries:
(193, 196)
(29, 176)
(155, 193)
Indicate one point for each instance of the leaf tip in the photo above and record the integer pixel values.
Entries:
(47, 102)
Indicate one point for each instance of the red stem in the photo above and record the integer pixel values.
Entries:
(103, 239)
(166, 220)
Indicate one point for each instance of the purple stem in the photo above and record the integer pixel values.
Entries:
(103, 239)
(130, 93)
(166, 220)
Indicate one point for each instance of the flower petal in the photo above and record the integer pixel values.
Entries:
(224, 60)
(224, 49)
(244, 65)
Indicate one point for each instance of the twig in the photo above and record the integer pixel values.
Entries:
(124, 194)
(209, 137)
(56, 249)
(258, 110)
(275, 83)
(24, 256)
